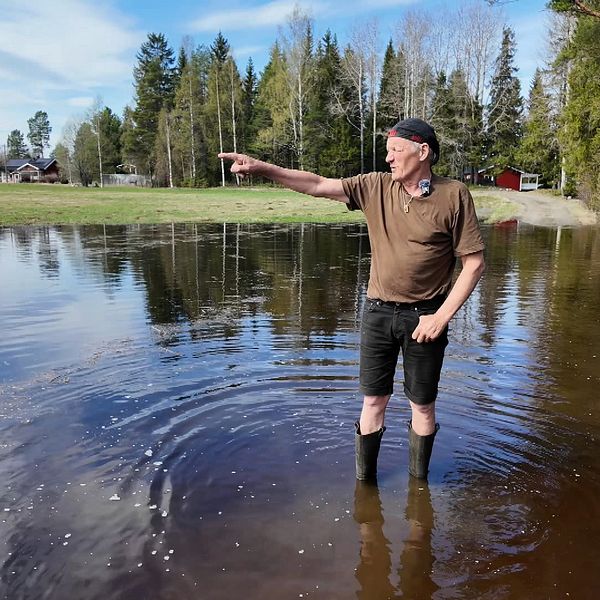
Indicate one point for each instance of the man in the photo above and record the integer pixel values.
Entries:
(418, 224)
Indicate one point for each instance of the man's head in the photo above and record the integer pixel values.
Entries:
(412, 148)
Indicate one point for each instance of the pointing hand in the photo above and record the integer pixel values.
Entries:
(242, 163)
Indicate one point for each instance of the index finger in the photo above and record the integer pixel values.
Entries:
(229, 155)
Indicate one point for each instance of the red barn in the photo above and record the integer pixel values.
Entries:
(513, 178)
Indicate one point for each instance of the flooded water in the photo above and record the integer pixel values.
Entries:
(176, 409)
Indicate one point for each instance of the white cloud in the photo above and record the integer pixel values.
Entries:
(272, 13)
(276, 12)
(71, 43)
(80, 101)
(245, 51)
(54, 55)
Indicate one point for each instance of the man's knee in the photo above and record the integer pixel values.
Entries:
(376, 402)
(423, 418)
(423, 410)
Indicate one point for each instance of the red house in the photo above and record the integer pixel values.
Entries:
(512, 178)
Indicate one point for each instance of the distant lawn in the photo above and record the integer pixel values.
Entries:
(39, 204)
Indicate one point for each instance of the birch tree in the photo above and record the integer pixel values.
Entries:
(477, 31)
(296, 42)
(368, 35)
(412, 34)
(354, 77)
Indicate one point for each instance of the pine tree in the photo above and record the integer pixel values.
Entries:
(456, 117)
(590, 8)
(271, 115)
(220, 49)
(580, 133)
(39, 133)
(154, 84)
(109, 127)
(390, 81)
(539, 147)
(504, 115)
(249, 93)
(15, 145)
(390, 105)
(182, 62)
(332, 151)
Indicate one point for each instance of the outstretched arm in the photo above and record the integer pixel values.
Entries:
(299, 181)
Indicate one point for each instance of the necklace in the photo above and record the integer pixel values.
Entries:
(424, 186)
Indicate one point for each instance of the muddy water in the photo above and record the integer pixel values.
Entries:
(176, 408)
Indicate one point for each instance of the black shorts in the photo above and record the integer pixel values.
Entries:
(386, 329)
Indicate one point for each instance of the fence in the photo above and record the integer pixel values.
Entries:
(126, 179)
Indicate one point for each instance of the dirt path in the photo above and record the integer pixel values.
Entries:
(546, 210)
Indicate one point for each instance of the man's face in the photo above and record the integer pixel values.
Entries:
(404, 157)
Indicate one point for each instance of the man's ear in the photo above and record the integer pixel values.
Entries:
(425, 152)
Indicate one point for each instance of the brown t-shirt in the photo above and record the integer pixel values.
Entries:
(413, 253)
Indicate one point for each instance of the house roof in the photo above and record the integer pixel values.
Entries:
(14, 164)
(508, 168)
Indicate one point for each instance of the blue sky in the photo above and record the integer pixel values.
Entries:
(59, 56)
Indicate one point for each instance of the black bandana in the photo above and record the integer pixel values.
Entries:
(418, 131)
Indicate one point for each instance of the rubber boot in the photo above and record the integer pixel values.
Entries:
(419, 451)
(367, 450)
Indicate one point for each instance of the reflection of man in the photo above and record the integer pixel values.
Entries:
(418, 224)
(416, 561)
(374, 569)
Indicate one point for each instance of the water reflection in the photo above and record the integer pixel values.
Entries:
(415, 571)
(176, 409)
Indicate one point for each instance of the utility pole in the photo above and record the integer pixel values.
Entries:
(99, 147)
(5, 154)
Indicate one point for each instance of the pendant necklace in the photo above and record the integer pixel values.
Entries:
(424, 186)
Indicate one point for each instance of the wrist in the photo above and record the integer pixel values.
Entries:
(443, 316)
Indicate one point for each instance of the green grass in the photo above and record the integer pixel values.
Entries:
(492, 209)
(38, 204)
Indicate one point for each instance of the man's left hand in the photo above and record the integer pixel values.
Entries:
(429, 328)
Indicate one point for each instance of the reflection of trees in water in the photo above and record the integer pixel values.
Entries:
(546, 282)
(307, 277)
(528, 480)
(569, 341)
(300, 274)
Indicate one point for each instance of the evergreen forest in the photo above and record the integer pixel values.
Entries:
(324, 107)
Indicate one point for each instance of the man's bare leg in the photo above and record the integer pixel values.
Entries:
(373, 413)
(423, 418)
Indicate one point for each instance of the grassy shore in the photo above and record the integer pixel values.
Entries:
(38, 204)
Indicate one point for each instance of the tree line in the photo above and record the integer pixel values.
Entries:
(326, 108)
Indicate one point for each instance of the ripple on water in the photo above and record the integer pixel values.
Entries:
(202, 437)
